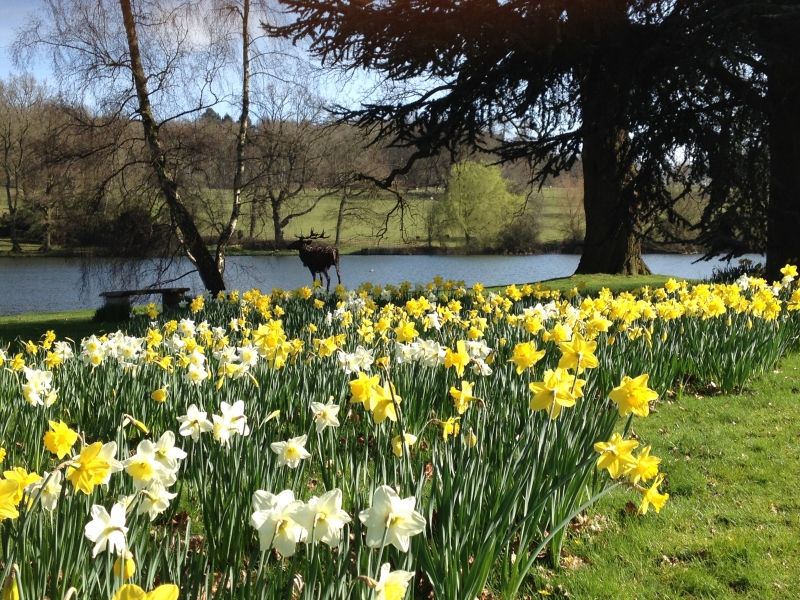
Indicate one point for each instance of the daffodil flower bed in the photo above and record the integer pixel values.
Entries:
(377, 443)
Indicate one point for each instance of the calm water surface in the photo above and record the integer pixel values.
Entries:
(56, 284)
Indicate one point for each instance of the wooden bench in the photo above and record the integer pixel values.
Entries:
(170, 297)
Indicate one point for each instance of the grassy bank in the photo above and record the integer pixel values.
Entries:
(730, 527)
(70, 324)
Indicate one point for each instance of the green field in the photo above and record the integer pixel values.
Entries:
(362, 230)
(558, 211)
(362, 226)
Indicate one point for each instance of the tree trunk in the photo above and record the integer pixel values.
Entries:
(12, 204)
(241, 142)
(46, 238)
(340, 217)
(187, 231)
(256, 210)
(277, 222)
(783, 214)
(611, 244)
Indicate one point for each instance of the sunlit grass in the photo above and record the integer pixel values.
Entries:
(730, 527)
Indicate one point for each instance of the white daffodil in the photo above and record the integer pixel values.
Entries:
(273, 521)
(393, 517)
(166, 452)
(194, 422)
(49, 486)
(405, 353)
(323, 517)
(175, 343)
(186, 328)
(143, 466)
(392, 584)
(108, 455)
(155, 500)
(92, 345)
(291, 452)
(63, 350)
(196, 374)
(248, 355)
(480, 367)
(325, 414)
(227, 354)
(107, 531)
(230, 422)
(37, 387)
(197, 358)
(432, 353)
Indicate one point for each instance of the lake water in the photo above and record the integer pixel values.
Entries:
(57, 284)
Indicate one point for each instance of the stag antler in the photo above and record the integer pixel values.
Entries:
(312, 236)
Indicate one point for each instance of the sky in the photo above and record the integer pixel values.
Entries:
(13, 14)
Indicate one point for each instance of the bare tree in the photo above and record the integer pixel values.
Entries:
(288, 146)
(157, 63)
(22, 104)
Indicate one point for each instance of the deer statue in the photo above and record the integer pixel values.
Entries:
(318, 259)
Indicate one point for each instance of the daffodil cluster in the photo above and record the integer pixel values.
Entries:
(401, 424)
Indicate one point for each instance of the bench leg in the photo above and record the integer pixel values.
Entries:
(171, 299)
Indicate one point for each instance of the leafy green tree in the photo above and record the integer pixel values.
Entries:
(477, 203)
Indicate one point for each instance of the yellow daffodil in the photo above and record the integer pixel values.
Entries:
(615, 455)
(130, 591)
(652, 496)
(525, 356)
(93, 467)
(60, 439)
(385, 401)
(24, 479)
(160, 395)
(458, 359)
(405, 331)
(125, 566)
(462, 397)
(559, 389)
(197, 304)
(9, 489)
(10, 589)
(362, 389)
(17, 363)
(646, 466)
(578, 354)
(450, 427)
(398, 442)
(633, 396)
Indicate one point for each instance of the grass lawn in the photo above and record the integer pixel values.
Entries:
(730, 528)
